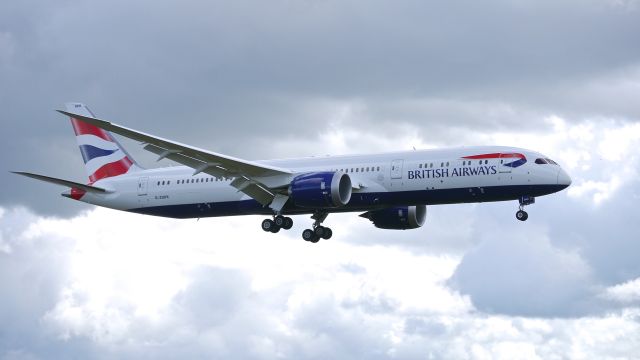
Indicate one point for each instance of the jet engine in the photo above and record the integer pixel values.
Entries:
(398, 218)
(321, 190)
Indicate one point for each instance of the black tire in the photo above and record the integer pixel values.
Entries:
(522, 215)
(319, 231)
(279, 220)
(267, 225)
(315, 239)
(288, 223)
(328, 233)
(275, 229)
(308, 235)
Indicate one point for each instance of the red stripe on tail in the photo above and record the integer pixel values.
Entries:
(82, 128)
(111, 169)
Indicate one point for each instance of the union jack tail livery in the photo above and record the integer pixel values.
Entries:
(102, 154)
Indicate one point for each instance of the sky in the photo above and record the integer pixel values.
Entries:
(285, 78)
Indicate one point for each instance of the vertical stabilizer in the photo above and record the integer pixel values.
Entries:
(102, 154)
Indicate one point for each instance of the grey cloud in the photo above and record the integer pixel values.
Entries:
(608, 239)
(214, 298)
(524, 276)
(555, 270)
(32, 274)
(211, 73)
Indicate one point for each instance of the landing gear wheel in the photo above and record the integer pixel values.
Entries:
(279, 220)
(327, 233)
(319, 231)
(268, 225)
(309, 235)
(275, 229)
(288, 223)
(522, 215)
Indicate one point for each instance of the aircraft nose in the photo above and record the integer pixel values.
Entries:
(563, 178)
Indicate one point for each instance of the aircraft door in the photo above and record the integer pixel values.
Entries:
(142, 185)
(396, 169)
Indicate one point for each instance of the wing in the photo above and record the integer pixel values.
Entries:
(71, 184)
(249, 177)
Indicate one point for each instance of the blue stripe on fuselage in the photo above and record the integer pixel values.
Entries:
(358, 202)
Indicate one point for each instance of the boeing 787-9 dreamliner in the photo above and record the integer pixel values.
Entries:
(390, 189)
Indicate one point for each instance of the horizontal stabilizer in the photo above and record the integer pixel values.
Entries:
(71, 184)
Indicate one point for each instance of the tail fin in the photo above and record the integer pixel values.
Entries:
(102, 154)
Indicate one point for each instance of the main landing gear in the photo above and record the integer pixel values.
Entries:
(278, 222)
(524, 201)
(318, 231)
(313, 235)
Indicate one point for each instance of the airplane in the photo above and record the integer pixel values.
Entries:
(392, 189)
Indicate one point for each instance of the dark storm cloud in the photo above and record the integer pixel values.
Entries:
(236, 77)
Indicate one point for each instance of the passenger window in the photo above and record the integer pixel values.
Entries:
(431, 165)
(486, 162)
(378, 168)
(447, 164)
(158, 183)
(356, 169)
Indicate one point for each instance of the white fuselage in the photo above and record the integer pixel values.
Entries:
(380, 180)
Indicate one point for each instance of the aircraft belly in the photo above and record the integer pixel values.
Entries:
(362, 202)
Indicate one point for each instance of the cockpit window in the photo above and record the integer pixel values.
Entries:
(541, 161)
(551, 161)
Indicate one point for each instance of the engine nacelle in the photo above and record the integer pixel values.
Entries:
(398, 218)
(321, 189)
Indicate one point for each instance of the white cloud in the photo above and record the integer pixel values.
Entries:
(627, 292)
(143, 286)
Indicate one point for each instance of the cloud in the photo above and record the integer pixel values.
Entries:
(315, 75)
(281, 79)
(524, 275)
(173, 292)
(627, 292)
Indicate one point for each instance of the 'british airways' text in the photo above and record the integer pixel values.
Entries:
(461, 171)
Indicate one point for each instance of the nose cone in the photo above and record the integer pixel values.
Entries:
(563, 178)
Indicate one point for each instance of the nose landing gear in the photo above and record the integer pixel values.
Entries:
(522, 215)
(524, 201)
